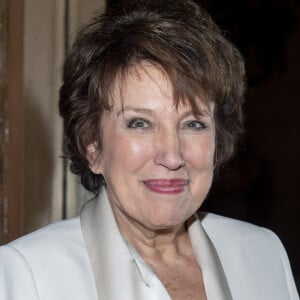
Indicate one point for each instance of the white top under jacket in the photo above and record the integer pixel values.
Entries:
(86, 258)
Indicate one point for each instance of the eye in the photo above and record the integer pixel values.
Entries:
(195, 125)
(138, 123)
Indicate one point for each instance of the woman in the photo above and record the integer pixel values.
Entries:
(151, 103)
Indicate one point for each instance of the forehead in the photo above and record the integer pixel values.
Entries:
(148, 85)
(141, 84)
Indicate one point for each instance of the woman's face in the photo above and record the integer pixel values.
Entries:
(157, 160)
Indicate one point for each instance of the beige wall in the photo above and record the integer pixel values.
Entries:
(44, 40)
(80, 13)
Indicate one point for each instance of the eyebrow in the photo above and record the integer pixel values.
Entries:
(135, 109)
(147, 111)
(201, 113)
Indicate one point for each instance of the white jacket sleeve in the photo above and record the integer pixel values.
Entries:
(16, 278)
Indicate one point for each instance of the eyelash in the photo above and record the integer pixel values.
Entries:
(135, 123)
(132, 123)
(199, 125)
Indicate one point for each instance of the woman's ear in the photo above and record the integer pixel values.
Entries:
(94, 158)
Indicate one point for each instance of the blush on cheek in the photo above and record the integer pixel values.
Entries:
(138, 149)
(203, 154)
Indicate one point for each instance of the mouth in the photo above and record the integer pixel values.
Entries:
(166, 186)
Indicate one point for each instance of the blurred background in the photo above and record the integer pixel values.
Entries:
(261, 184)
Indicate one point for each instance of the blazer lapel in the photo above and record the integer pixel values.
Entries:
(114, 271)
(215, 282)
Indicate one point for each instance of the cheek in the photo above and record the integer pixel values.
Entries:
(201, 152)
(125, 152)
(136, 148)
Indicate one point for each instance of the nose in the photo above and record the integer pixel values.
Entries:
(169, 151)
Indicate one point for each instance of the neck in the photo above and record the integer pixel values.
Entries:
(163, 242)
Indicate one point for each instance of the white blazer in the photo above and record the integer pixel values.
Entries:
(86, 258)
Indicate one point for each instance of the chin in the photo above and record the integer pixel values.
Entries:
(166, 222)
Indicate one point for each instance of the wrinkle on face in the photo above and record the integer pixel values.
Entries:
(130, 156)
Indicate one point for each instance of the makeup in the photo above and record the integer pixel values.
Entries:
(166, 186)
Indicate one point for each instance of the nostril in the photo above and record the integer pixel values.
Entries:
(172, 161)
(182, 163)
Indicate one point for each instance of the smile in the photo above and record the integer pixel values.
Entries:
(166, 186)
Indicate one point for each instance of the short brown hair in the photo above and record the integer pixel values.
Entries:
(176, 35)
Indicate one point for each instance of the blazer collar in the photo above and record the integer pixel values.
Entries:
(120, 271)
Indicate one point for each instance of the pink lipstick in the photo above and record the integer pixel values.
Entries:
(166, 186)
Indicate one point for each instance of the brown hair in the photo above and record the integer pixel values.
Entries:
(176, 35)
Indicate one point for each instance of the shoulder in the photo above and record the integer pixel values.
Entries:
(42, 244)
(239, 236)
(254, 255)
(43, 263)
(47, 246)
(214, 220)
(50, 236)
(220, 226)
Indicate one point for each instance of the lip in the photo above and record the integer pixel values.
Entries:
(166, 186)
